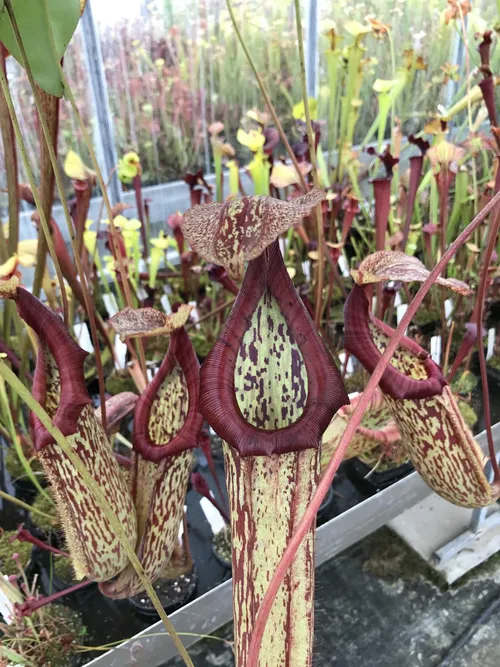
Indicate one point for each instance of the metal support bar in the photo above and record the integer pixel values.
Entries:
(479, 514)
(103, 128)
(312, 60)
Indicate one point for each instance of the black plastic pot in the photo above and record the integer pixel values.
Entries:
(356, 471)
(173, 594)
(325, 507)
(25, 490)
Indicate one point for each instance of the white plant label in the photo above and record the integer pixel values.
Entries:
(195, 316)
(400, 312)
(83, 337)
(436, 349)
(491, 343)
(212, 515)
(344, 266)
(110, 304)
(448, 309)
(165, 304)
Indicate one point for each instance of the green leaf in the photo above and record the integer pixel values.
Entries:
(36, 20)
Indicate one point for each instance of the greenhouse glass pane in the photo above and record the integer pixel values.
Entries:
(70, 136)
(417, 33)
(173, 67)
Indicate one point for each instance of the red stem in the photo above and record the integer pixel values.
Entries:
(28, 607)
(326, 481)
(382, 194)
(24, 535)
(481, 296)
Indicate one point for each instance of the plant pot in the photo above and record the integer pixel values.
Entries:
(221, 547)
(173, 594)
(356, 471)
(326, 506)
(25, 490)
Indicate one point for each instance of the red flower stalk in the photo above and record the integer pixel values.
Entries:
(200, 485)
(24, 535)
(32, 604)
(432, 428)
(269, 388)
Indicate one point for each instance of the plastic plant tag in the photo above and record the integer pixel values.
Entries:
(491, 343)
(212, 515)
(436, 343)
(343, 266)
(83, 336)
(110, 304)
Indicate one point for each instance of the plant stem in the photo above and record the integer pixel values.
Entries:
(36, 195)
(314, 165)
(25, 506)
(89, 307)
(121, 266)
(309, 515)
(10, 157)
(266, 97)
(99, 496)
(481, 297)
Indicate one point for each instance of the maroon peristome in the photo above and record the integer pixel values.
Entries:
(326, 393)
(180, 352)
(69, 358)
(358, 341)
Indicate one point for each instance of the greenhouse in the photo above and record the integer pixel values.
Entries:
(249, 333)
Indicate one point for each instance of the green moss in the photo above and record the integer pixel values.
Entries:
(468, 414)
(59, 628)
(426, 316)
(356, 382)
(7, 548)
(63, 568)
(389, 558)
(494, 362)
(119, 381)
(201, 345)
(49, 507)
(15, 467)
